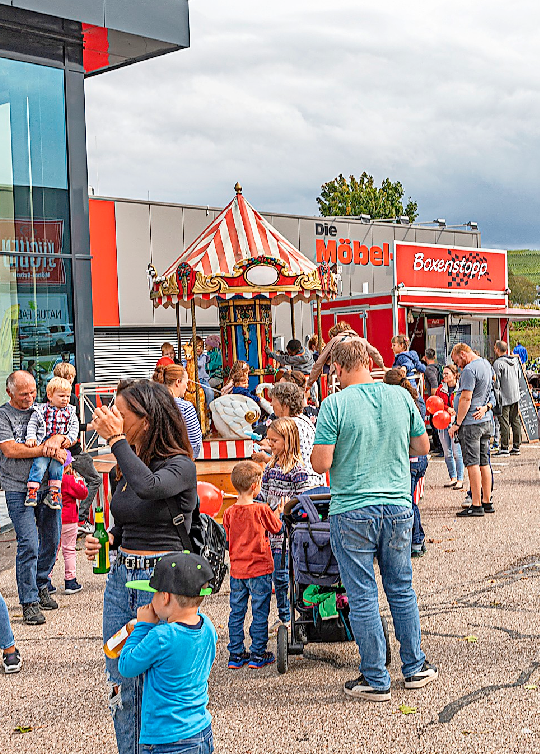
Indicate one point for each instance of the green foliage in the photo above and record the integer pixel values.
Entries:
(528, 333)
(522, 289)
(360, 196)
(525, 262)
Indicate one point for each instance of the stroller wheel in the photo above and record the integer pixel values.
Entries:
(387, 640)
(282, 651)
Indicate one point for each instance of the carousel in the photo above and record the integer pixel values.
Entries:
(243, 266)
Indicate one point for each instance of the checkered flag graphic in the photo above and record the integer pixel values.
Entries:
(461, 279)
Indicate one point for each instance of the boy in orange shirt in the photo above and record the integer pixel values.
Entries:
(247, 524)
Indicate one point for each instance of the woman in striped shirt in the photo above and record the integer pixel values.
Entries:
(175, 378)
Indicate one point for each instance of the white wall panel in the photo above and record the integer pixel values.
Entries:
(166, 241)
(133, 254)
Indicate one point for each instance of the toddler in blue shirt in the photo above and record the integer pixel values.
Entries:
(174, 646)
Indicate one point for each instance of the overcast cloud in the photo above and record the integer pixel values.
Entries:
(283, 96)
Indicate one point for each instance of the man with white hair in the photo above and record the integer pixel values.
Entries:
(37, 528)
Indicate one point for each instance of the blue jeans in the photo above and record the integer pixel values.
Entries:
(40, 466)
(280, 577)
(452, 455)
(260, 591)
(418, 470)
(208, 392)
(200, 743)
(119, 607)
(6, 634)
(38, 536)
(357, 538)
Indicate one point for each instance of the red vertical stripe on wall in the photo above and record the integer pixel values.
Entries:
(95, 47)
(104, 263)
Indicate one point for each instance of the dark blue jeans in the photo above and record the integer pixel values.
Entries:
(38, 537)
(260, 591)
(200, 743)
(418, 470)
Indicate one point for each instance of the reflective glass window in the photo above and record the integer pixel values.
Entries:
(36, 312)
(36, 316)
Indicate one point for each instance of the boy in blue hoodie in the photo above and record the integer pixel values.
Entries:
(175, 655)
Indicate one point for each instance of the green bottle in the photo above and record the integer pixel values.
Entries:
(102, 558)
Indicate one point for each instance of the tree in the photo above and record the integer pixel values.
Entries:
(522, 290)
(361, 197)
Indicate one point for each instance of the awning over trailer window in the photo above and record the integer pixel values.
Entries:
(480, 312)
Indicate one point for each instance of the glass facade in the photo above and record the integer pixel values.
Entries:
(36, 307)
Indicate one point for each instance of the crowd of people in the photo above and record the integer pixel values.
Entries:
(154, 436)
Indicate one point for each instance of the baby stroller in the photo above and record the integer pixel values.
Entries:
(319, 606)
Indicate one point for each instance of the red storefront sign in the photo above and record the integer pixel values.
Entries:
(441, 267)
(351, 252)
(25, 241)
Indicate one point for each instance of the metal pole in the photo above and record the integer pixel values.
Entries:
(178, 333)
(319, 324)
(194, 342)
(293, 324)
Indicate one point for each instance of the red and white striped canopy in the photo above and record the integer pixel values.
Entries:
(213, 265)
(239, 232)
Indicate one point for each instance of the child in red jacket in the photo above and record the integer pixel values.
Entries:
(73, 490)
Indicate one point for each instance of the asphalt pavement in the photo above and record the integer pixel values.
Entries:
(478, 591)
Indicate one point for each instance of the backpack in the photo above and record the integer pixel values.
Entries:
(209, 541)
(313, 559)
(497, 394)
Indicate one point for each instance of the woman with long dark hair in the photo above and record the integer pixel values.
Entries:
(157, 480)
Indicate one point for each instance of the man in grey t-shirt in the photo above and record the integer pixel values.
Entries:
(474, 426)
(37, 528)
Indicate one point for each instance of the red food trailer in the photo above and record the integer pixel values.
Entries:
(437, 295)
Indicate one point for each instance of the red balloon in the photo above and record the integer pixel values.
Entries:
(434, 404)
(441, 419)
(211, 498)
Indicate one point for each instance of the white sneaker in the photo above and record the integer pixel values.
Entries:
(273, 629)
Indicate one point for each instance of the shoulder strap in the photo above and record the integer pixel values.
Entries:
(305, 502)
(178, 520)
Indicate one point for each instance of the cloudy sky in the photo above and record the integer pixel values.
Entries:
(283, 96)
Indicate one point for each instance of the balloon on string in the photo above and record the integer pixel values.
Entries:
(441, 419)
(211, 498)
(434, 404)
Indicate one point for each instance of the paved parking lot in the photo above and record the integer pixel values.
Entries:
(478, 591)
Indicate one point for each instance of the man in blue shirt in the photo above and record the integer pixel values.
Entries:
(364, 437)
(521, 351)
(175, 655)
(474, 426)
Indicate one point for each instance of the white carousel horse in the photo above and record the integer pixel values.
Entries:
(234, 415)
(259, 392)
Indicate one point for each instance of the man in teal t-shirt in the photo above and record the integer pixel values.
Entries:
(365, 435)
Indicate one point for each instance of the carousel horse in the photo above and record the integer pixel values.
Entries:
(193, 385)
(233, 415)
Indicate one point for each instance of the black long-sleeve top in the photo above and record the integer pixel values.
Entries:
(142, 519)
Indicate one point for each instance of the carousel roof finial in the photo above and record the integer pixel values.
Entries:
(238, 188)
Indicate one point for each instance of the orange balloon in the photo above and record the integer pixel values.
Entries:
(441, 419)
(211, 498)
(434, 404)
